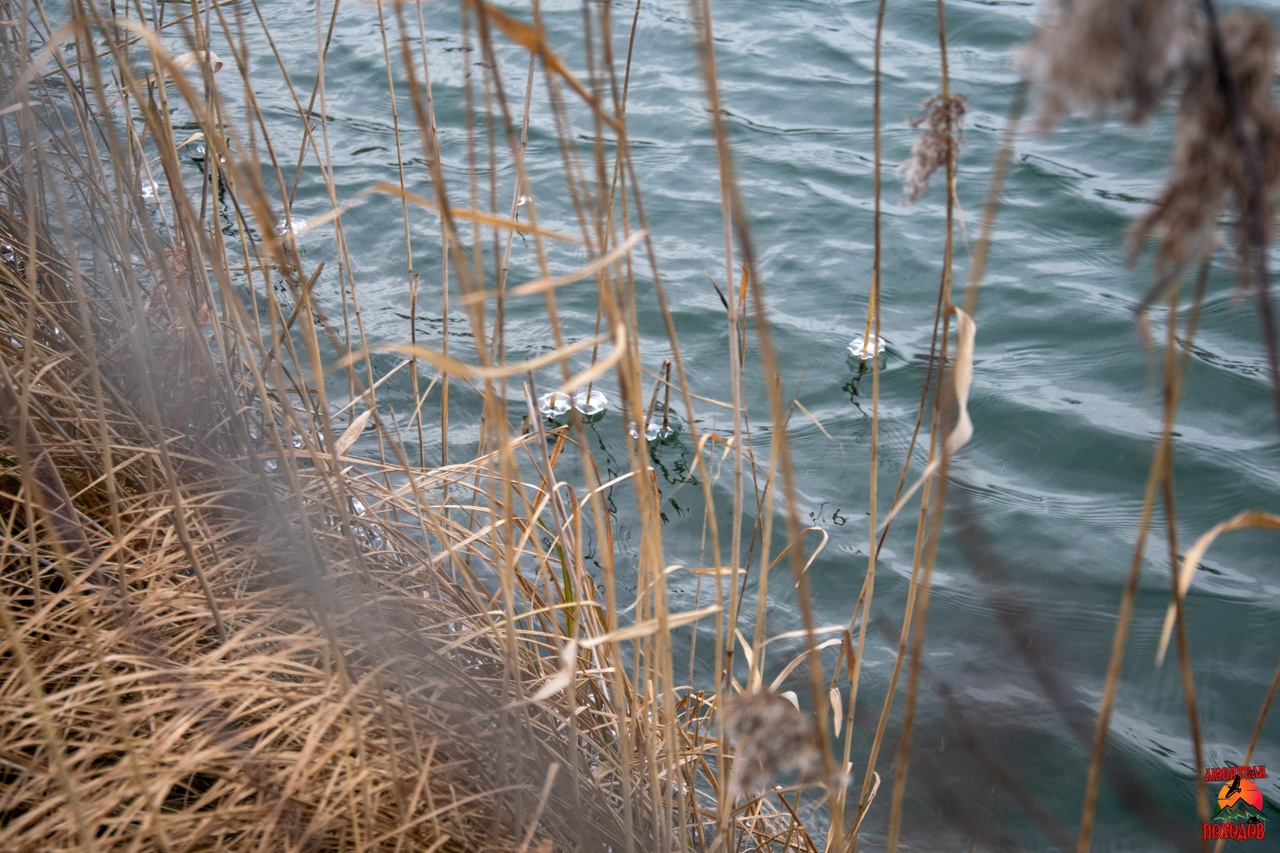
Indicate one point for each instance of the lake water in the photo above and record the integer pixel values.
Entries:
(1065, 400)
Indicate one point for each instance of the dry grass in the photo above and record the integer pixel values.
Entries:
(236, 613)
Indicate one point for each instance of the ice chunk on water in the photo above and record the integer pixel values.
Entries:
(863, 350)
(659, 434)
(591, 405)
(655, 432)
(556, 405)
(199, 154)
(289, 226)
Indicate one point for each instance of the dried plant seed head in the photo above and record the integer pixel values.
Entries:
(943, 117)
(770, 737)
(1250, 44)
(1209, 166)
(1095, 56)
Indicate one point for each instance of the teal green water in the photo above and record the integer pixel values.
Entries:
(1065, 400)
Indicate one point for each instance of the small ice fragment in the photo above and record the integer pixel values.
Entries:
(590, 405)
(554, 405)
(524, 199)
(373, 539)
(148, 190)
(199, 154)
(863, 351)
(290, 227)
(662, 429)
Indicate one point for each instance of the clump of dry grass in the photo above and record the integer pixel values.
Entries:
(217, 634)
(199, 655)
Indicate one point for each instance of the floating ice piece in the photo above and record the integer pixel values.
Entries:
(199, 154)
(656, 433)
(591, 405)
(371, 538)
(368, 534)
(556, 405)
(13, 257)
(863, 351)
(149, 190)
(523, 200)
(289, 226)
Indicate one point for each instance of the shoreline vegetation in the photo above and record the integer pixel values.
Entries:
(240, 609)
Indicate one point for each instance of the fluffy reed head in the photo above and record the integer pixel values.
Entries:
(1128, 56)
(770, 737)
(1095, 56)
(943, 118)
(1217, 161)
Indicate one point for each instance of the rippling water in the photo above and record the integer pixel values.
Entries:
(1065, 400)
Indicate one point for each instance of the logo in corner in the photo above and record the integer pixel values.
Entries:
(1239, 816)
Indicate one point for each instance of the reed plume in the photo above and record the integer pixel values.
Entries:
(943, 118)
(770, 737)
(1210, 166)
(1100, 56)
